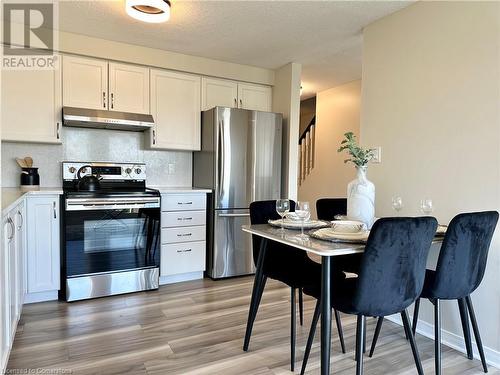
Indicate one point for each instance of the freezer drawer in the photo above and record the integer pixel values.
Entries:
(183, 234)
(183, 218)
(232, 249)
(182, 258)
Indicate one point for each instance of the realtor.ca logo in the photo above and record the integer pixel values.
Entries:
(29, 39)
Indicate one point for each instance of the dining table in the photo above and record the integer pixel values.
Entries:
(321, 248)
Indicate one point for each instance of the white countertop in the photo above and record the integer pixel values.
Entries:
(179, 189)
(12, 196)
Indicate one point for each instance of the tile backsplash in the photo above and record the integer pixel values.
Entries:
(96, 145)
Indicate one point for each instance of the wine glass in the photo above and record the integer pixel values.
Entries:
(426, 206)
(304, 214)
(282, 208)
(397, 203)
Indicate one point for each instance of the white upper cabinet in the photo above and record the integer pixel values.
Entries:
(128, 88)
(85, 82)
(176, 109)
(255, 97)
(31, 106)
(218, 92)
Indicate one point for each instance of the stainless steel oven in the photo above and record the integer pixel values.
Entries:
(110, 241)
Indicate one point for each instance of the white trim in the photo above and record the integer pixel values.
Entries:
(41, 297)
(452, 340)
(181, 277)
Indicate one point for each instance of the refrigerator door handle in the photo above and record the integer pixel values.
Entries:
(221, 160)
(234, 215)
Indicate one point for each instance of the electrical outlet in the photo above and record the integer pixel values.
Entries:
(171, 168)
(377, 157)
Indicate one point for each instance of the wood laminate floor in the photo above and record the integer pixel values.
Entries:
(197, 328)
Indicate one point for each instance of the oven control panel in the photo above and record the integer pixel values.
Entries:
(107, 171)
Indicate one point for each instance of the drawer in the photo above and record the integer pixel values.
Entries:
(182, 258)
(183, 234)
(183, 218)
(183, 202)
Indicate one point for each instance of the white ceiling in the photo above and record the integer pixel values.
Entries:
(324, 36)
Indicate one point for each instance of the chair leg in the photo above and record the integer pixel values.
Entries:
(293, 319)
(254, 307)
(462, 306)
(340, 331)
(415, 316)
(310, 339)
(476, 332)
(376, 334)
(360, 332)
(301, 307)
(437, 337)
(413, 344)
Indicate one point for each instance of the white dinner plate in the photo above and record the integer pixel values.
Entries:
(328, 234)
(293, 224)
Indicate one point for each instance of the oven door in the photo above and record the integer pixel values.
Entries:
(104, 237)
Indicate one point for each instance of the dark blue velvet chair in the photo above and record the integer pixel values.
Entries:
(459, 271)
(283, 263)
(391, 277)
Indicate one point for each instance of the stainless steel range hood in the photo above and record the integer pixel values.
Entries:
(101, 119)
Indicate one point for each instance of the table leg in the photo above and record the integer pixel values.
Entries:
(257, 285)
(326, 312)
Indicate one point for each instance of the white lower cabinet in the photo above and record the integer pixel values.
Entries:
(183, 236)
(43, 241)
(12, 273)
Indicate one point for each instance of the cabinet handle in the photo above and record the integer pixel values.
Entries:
(12, 229)
(235, 103)
(184, 234)
(22, 220)
(184, 251)
(184, 218)
(154, 137)
(54, 208)
(104, 99)
(57, 130)
(241, 103)
(112, 100)
(180, 203)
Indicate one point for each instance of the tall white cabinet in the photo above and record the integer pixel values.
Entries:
(226, 93)
(31, 106)
(97, 84)
(175, 106)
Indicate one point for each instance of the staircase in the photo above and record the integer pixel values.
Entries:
(306, 151)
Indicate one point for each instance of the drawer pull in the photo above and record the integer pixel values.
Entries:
(184, 235)
(180, 203)
(184, 218)
(184, 251)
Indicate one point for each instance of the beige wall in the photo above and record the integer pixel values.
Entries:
(337, 112)
(286, 100)
(431, 99)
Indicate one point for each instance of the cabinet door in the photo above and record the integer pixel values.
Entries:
(85, 82)
(254, 97)
(175, 106)
(218, 92)
(128, 88)
(13, 260)
(31, 105)
(43, 243)
(8, 236)
(19, 222)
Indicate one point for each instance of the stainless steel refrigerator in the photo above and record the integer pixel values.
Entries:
(240, 160)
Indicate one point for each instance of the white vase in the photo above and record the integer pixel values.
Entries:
(361, 198)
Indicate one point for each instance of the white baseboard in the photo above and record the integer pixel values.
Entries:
(41, 297)
(452, 340)
(181, 277)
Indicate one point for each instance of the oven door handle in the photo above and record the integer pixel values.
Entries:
(88, 204)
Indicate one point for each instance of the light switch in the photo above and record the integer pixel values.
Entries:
(377, 157)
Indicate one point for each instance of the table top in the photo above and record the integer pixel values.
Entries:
(319, 247)
(312, 245)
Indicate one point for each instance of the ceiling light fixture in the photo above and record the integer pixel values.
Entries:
(153, 11)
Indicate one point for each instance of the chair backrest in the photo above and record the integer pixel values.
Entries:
(392, 269)
(463, 255)
(327, 208)
(260, 213)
